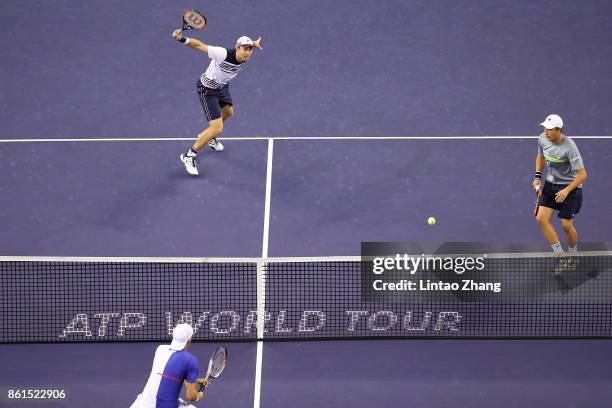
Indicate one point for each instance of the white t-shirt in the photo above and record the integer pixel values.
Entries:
(222, 69)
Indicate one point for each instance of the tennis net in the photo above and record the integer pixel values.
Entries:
(142, 299)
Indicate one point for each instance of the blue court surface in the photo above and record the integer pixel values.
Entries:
(357, 122)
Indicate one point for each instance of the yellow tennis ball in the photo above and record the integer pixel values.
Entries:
(431, 220)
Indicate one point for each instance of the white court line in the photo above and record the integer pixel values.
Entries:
(173, 139)
(261, 279)
(266, 226)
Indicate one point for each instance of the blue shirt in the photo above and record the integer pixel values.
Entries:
(181, 366)
(170, 369)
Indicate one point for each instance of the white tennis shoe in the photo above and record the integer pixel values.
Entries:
(190, 164)
(215, 144)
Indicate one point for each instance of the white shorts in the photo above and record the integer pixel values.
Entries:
(146, 401)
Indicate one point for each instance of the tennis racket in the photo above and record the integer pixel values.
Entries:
(193, 20)
(215, 365)
(537, 202)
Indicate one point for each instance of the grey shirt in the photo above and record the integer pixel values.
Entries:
(563, 159)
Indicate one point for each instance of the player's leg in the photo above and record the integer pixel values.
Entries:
(547, 206)
(570, 207)
(214, 129)
(211, 101)
(548, 230)
(226, 112)
(212, 111)
(570, 232)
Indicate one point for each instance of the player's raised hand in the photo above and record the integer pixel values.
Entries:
(177, 34)
(257, 44)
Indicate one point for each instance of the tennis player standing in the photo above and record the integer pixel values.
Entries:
(213, 90)
(562, 190)
(172, 366)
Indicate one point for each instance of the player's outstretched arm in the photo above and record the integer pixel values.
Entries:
(192, 42)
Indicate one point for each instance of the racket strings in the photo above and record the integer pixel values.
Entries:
(217, 364)
(194, 19)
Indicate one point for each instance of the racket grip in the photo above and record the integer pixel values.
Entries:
(203, 386)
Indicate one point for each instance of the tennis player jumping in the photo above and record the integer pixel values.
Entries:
(213, 90)
(172, 366)
(562, 190)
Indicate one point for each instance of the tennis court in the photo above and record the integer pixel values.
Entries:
(358, 131)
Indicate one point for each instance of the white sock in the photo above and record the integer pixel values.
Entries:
(192, 153)
(574, 248)
(556, 247)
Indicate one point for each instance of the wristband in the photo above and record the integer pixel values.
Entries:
(184, 40)
(537, 175)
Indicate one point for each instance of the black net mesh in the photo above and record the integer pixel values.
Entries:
(56, 301)
(123, 301)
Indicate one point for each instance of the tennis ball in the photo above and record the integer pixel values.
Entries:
(431, 220)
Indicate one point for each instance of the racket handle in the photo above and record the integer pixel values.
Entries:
(203, 386)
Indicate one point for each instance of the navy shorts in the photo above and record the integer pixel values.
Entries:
(213, 100)
(569, 207)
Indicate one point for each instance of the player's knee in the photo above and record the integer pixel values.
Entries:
(217, 127)
(541, 220)
(567, 226)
